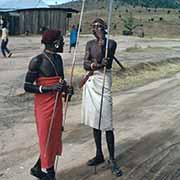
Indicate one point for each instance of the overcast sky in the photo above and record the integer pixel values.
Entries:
(46, 1)
(54, 1)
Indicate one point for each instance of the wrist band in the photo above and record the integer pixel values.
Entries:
(92, 65)
(40, 89)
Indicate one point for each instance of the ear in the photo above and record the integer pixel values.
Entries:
(56, 45)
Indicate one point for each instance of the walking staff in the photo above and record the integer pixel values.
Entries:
(106, 58)
(74, 60)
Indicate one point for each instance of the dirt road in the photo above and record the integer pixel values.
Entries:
(147, 135)
(26, 47)
(147, 138)
(146, 121)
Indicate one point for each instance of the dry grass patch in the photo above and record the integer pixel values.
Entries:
(134, 76)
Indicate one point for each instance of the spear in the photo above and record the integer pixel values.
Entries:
(74, 61)
(106, 55)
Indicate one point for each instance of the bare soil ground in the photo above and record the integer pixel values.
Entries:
(146, 120)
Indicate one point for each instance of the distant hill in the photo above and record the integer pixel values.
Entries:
(156, 18)
(144, 3)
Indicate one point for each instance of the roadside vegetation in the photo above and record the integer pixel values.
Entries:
(133, 76)
(143, 19)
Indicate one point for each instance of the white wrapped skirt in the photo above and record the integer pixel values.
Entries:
(91, 102)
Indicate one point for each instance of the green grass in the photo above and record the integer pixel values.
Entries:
(169, 27)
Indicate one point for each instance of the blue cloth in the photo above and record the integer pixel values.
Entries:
(73, 36)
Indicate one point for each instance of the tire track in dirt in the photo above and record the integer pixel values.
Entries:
(154, 156)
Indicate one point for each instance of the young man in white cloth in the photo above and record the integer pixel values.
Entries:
(95, 62)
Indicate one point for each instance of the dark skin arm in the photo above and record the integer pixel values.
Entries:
(87, 58)
(40, 67)
(91, 57)
(95, 53)
(31, 76)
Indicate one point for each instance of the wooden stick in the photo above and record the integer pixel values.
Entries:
(106, 55)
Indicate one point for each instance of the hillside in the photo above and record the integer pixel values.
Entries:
(156, 22)
(143, 3)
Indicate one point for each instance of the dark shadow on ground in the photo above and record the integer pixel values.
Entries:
(154, 157)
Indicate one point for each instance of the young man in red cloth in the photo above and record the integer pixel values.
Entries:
(45, 78)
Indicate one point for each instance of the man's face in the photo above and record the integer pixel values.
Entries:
(98, 30)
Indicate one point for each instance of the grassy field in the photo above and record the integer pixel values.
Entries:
(156, 22)
(143, 73)
(134, 76)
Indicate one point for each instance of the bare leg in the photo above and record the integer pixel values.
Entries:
(99, 158)
(110, 143)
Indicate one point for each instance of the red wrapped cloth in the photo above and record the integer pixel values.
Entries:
(44, 104)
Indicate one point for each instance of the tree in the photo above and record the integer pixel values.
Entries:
(130, 25)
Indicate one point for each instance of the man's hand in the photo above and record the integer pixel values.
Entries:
(105, 61)
(96, 66)
(69, 92)
(59, 87)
